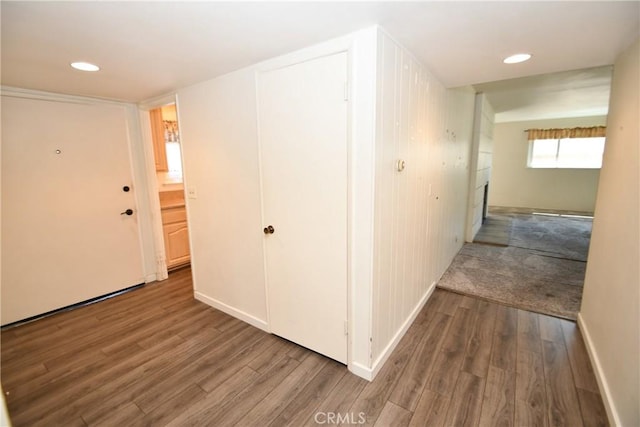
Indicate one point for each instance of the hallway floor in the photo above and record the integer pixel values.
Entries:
(156, 357)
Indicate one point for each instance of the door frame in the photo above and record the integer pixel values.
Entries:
(161, 271)
(362, 56)
(358, 321)
(348, 157)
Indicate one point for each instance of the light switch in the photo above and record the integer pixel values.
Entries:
(191, 193)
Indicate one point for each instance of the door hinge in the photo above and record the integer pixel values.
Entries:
(346, 91)
(346, 327)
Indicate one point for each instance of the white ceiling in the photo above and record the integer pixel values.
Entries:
(148, 49)
(580, 93)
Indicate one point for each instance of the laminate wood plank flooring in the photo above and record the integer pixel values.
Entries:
(156, 357)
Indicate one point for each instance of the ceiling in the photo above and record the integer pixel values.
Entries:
(147, 49)
(579, 93)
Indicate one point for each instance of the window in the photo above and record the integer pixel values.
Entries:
(174, 160)
(172, 145)
(570, 153)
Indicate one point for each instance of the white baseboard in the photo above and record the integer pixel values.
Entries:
(370, 373)
(150, 278)
(603, 385)
(231, 311)
(361, 371)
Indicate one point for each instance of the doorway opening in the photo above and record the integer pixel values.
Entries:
(165, 133)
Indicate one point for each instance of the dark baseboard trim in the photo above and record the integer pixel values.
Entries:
(71, 307)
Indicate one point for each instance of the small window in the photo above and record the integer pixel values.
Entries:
(174, 160)
(569, 153)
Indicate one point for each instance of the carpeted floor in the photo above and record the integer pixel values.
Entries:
(542, 269)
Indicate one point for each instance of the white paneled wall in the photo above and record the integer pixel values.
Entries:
(419, 211)
(481, 158)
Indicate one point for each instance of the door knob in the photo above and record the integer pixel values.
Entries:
(127, 212)
(269, 230)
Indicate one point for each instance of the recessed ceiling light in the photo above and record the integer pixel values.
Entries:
(518, 57)
(84, 66)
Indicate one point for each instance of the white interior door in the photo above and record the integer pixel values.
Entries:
(64, 169)
(303, 136)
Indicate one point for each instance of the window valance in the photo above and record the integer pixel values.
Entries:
(590, 132)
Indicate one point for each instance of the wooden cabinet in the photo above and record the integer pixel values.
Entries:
(176, 243)
(175, 230)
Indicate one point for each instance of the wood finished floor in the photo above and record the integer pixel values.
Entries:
(157, 357)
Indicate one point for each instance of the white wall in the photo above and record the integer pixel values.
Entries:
(419, 211)
(220, 148)
(610, 315)
(218, 120)
(513, 184)
(481, 163)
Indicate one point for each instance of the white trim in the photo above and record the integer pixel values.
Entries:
(335, 46)
(151, 278)
(158, 101)
(238, 314)
(140, 183)
(605, 392)
(153, 196)
(388, 350)
(256, 87)
(17, 92)
(361, 371)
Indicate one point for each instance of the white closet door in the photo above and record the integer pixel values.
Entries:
(303, 137)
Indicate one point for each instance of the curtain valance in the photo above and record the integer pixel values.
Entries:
(590, 132)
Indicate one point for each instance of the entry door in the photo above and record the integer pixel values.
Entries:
(303, 137)
(66, 234)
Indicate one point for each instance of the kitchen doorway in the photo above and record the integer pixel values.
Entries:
(165, 133)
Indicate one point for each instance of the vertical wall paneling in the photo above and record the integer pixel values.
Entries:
(385, 155)
(419, 212)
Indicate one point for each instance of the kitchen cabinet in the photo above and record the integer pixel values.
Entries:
(175, 229)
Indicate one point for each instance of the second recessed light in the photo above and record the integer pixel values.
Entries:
(84, 66)
(519, 57)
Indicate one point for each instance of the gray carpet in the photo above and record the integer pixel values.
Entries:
(542, 269)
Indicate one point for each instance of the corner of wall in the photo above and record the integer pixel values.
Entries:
(363, 76)
(605, 391)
